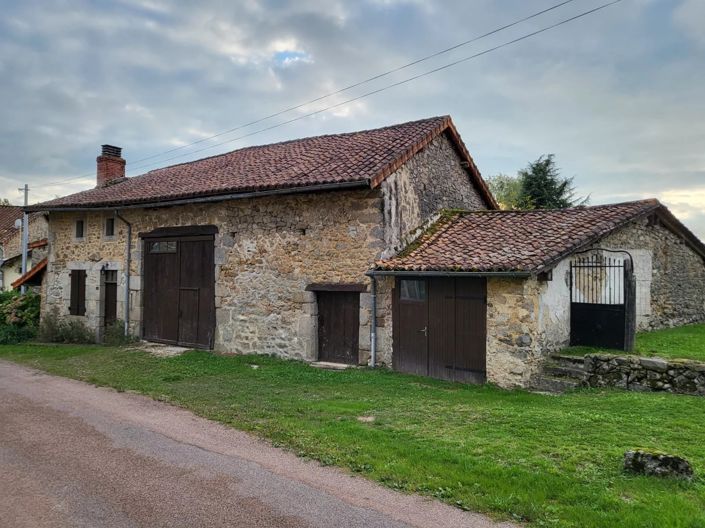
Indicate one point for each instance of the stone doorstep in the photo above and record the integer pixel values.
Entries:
(578, 360)
(328, 365)
(159, 349)
(564, 371)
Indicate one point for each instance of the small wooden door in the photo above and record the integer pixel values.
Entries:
(412, 335)
(338, 326)
(110, 298)
(469, 359)
(179, 302)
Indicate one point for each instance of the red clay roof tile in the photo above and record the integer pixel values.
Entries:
(8, 215)
(519, 241)
(366, 157)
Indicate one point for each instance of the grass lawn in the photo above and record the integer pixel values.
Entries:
(685, 342)
(545, 460)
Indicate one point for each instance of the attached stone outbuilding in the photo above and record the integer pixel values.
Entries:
(521, 262)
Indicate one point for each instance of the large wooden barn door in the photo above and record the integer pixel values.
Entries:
(179, 292)
(440, 327)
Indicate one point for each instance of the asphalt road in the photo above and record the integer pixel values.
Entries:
(76, 455)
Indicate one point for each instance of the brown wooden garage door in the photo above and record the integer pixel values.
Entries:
(440, 327)
(179, 302)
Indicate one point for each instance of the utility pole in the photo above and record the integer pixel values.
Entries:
(25, 234)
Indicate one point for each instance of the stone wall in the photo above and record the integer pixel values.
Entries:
(430, 181)
(677, 288)
(645, 374)
(267, 251)
(514, 348)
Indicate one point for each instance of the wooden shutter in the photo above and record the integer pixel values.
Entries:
(77, 305)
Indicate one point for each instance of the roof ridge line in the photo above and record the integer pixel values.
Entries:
(287, 141)
(651, 201)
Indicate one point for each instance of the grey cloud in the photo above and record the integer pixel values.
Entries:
(620, 105)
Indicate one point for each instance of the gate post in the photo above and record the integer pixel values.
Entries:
(630, 305)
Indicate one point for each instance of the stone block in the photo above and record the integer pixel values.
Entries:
(223, 316)
(657, 464)
(310, 309)
(135, 282)
(654, 364)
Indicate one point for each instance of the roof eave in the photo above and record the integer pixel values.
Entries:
(206, 199)
(449, 273)
(672, 224)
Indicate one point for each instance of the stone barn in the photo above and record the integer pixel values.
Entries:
(332, 249)
(492, 293)
(260, 250)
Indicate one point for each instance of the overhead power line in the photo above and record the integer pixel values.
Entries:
(330, 94)
(370, 93)
(393, 85)
(359, 83)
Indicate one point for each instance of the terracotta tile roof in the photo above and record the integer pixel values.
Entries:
(365, 157)
(521, 241)
(8, 215)
(31, 274)
(38, 243)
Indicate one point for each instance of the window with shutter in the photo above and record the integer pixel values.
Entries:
(77, 304)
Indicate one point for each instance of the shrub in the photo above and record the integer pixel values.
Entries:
(115, 335)
(55, 330)
(75, 331)
(19, 316)
(11, 334)
(50, 327)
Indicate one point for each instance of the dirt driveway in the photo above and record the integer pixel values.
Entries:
(75, 455)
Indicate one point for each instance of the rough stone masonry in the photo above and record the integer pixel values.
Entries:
(267, 250)
(645, 373)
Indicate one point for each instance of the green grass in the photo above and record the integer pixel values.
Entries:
(683, 342)
(546, 460)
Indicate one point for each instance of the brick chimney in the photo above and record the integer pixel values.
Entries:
(111, 166)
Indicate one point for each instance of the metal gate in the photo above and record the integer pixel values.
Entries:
(603, 300)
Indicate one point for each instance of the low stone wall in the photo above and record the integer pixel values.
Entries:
(645, 374)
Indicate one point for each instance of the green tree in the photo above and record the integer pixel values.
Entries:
(506, 190)
(538, 186)
(543, 187)
(4, 201)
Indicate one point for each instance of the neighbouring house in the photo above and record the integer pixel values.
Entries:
(329, 248)
(11, 248)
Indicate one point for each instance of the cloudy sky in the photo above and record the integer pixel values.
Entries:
(618, 96)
